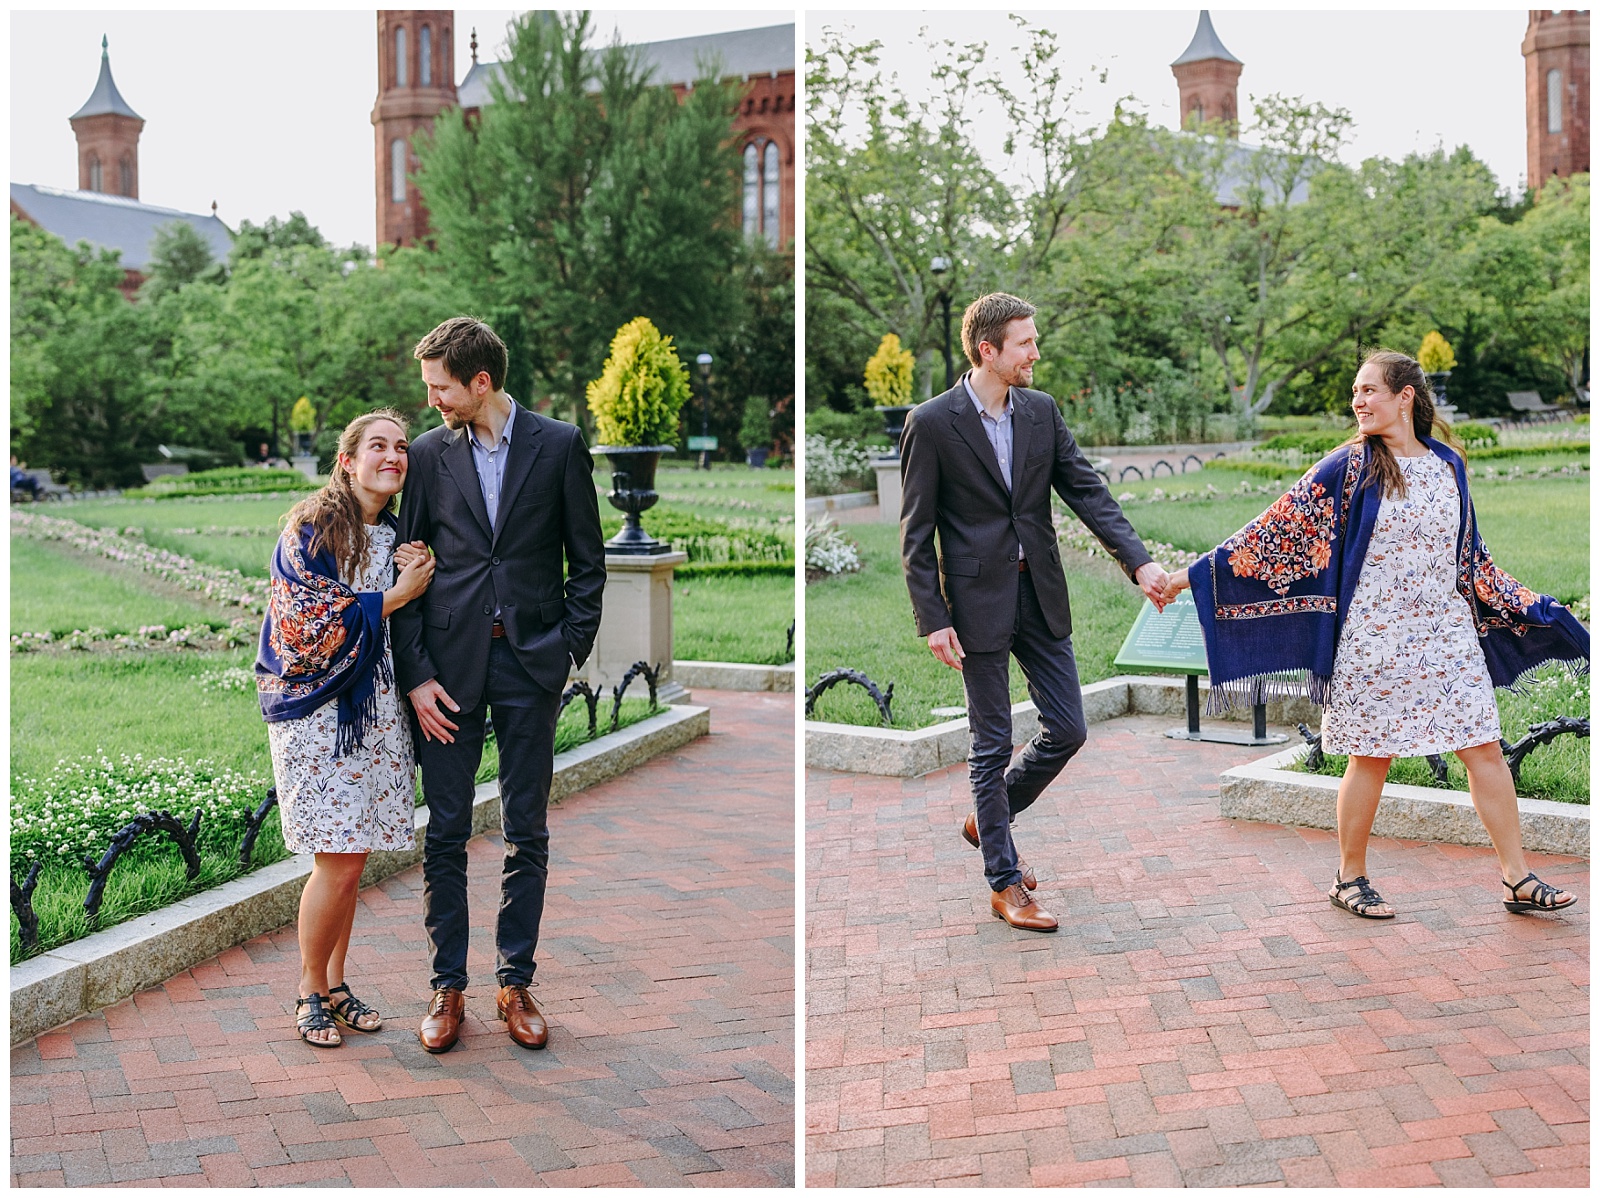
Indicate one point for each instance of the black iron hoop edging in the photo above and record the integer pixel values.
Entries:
(1199, 465)
(636, 670)
(252, 827)
(22, 908)
(833, 677)
(788, 648)
(591, 700)
(1159, 463)
(1541, 734)
(1315, 758)
(1123, 473)
(150, 821)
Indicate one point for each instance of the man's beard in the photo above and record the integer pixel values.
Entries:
(1018, 376)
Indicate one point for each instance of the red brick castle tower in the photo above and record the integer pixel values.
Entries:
(1556, 48)
(108, 131)
(416, 82)
(1208, 79)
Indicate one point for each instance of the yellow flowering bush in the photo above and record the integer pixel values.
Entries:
(641, 388)
(889, 373)
(1436, 356)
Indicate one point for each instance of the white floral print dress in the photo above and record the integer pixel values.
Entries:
(364, 801)
(1409, 677)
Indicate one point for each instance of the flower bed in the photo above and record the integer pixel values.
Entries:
(228, 587)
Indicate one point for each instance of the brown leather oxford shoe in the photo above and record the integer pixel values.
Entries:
(969, 831)
(441, 1026)
(523, 1020)
(1016, 906)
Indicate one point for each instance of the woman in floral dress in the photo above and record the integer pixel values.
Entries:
(1370, 574)
(341, 745)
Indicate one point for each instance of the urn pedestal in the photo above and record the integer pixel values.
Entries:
(636, 624)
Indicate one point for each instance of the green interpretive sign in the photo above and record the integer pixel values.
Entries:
(701, 444)
(1167, 642)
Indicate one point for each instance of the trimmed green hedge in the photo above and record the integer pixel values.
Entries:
(1312, 442)
(229, 480)
(708, 540)
(734, 570)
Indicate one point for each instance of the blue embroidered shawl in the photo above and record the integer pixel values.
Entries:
(320, 641)
(1272, 598)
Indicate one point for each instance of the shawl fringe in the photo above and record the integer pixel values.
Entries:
(1241, 694)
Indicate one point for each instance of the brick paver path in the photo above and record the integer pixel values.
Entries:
(1204, 1017)
(665, 967)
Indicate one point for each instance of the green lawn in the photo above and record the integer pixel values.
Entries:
(863, 621)
(733, 618)
(56, 591)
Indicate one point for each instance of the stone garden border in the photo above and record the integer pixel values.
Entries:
(862, 750)
(733, 676)
(104, 968)
(1267, 790)
(817, 505)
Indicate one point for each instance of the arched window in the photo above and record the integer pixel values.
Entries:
(425, 57)
(126, 175)
(96, 183)
(400, 57)
(1552, 101)
(752, 190)
(397, 170)
(769, 194)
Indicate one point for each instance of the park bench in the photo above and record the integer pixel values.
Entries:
(48, 488)
(1531, 408)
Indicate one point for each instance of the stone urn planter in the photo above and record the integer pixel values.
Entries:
(756, 456)
(1437, 381)
(633, 490)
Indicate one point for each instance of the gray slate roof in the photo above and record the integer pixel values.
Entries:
(1205, 44)
(112, 222)
(741, 53)
(105, 98)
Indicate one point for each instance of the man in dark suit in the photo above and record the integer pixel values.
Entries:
(500, 494)
(977, 465)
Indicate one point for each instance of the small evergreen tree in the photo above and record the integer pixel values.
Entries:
(639, 393)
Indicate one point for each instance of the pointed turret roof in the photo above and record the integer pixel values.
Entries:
(1205, 44)
(105, 98)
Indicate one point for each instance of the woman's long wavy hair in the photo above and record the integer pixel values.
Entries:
(333, 512)
(1399, 372)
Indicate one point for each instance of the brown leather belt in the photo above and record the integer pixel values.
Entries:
(1022, 565)
(497, 629)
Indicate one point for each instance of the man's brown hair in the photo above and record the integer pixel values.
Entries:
(467, 346)
(985, 320)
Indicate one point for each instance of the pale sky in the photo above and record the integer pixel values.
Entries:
(1410, 80)
(264, 112)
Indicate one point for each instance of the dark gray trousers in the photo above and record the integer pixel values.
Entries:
(999, 794)
(524, 716)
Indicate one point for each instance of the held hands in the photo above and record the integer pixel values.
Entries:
(1153, 581)
(415, 575)
(1177, 583)
(426, 699)
(407, 553)
(946, 646)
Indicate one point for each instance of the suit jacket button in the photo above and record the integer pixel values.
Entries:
(494, 561)
(1012, 558)
(487, 610)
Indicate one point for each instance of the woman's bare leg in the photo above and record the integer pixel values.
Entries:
(1359, 792)
(1494, 794)
(327, 909)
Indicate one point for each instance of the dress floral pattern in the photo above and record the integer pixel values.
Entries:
(362, 801)
(1409, 677)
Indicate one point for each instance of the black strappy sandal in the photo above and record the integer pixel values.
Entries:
(316, 1019)
(1543, 897)
(1364, 900)
(350, 1009)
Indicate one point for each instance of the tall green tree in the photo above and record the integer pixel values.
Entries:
(79, 359)
(585, 195)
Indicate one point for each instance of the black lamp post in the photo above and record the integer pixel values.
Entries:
(704, 363)
(940, 267)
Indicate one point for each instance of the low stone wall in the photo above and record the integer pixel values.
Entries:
(106, 967)
(1267, 790)
(734, 676)
(857, 749)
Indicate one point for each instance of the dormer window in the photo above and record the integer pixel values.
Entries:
(761, 191)
(125, 175)
(400, 75)
(769, 194)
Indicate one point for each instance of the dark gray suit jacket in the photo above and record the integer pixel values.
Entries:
(547, 511)
(951, 482)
